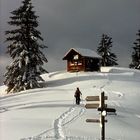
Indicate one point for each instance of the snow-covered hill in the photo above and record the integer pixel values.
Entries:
(50, 113)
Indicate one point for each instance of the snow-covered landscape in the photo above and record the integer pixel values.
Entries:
(50, 113)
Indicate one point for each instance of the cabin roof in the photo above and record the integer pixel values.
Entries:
(84, 52)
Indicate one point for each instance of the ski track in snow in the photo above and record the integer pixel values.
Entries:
(67, 117)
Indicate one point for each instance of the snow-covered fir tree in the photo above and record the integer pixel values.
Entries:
(104, 50)
(136, 53)
(25, 50)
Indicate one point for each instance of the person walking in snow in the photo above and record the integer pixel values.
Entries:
(77, 96)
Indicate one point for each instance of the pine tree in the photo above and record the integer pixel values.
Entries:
(136, 53)
(104, 50)
(25, 50)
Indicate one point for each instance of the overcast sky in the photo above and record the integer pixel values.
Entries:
(65, 24)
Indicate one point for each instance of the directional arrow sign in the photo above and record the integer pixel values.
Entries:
(91, 106)
(108, 109)
(92, 98)
(95, 98)
(94, 120)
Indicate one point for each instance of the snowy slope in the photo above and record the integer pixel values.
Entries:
(50, 112)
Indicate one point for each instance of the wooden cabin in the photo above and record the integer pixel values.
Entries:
(79, 59)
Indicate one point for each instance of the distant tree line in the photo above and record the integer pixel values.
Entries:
(110, 59)
(26, 51)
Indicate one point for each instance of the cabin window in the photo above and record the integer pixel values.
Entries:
(74, 62)
(80, 62)
(76, 57)
(71, 63)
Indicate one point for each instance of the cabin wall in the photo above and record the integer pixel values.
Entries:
(85, 64)
(74, 66)
(92, 64)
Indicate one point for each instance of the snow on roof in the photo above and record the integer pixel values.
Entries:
(87, 52)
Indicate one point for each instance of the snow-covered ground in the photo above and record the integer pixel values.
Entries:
(50, 113)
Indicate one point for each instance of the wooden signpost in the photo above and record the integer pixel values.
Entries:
(92, 98)
(92, 106)
(108, 109)
(95, 98)
(94, 120)
(100, 107)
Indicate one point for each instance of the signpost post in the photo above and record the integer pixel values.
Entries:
(102, 117)
(103, 108)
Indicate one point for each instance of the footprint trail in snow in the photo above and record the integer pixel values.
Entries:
(67, 117)
(57, 132)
